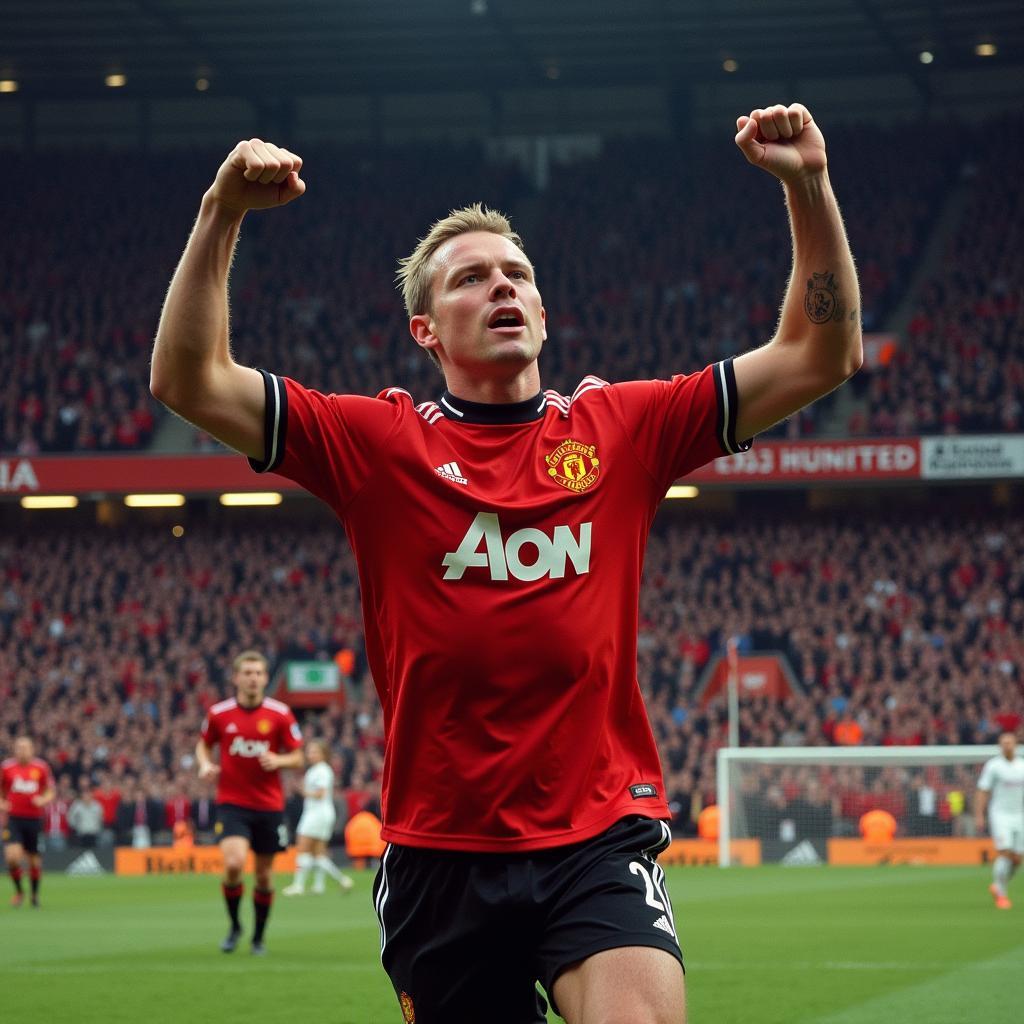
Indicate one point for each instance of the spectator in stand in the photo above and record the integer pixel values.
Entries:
(139, 818)
(56, 829)
(85, 816)
(109, 798)
(177, 807)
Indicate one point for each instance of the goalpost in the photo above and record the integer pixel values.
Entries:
(797, 798)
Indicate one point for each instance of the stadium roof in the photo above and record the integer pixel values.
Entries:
(274, 48)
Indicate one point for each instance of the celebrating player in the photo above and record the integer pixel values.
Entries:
(257, 736)
(26, 787)
(499, 533)
(316, 825)
(1001, 793)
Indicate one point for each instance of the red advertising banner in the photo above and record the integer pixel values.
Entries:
(758, 675)
(126, 474)
(800, 461)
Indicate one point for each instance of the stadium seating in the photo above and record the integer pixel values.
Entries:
(910, 626)
(653, 259)
(961, 369)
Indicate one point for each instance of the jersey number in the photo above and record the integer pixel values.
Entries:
(636, 868)
(656, 896)
(282, 836)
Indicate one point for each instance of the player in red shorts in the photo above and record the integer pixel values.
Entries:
(26, 787)
(499, 534)
(257, 737)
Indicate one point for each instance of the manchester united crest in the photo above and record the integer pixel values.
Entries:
(574, 465)
(263, 727)
(408, 1010)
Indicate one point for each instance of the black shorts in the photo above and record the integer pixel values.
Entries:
(24, 831)
(265, 830)
(466, 936)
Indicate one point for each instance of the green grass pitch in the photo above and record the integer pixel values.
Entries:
(763, 946)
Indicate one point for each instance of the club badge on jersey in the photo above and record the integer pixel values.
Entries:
(574, 465)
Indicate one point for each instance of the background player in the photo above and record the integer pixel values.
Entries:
(26, 787)
(316, 826)
(257, 736)
(1001, 793)
(501, 599)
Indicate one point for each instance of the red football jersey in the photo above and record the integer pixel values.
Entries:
(19, 783)
(244, 734)
(499, 564)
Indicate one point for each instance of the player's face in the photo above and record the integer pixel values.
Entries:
(487, 310)
(23, 749)
(314, 753)
(250, 681)
(1008, 745)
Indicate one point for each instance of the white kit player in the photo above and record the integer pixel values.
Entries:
(316, 826)
(1001, 793)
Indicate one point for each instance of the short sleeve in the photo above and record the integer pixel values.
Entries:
(986, 781)
(291, 734)
(328, 444)
(210, 732)
(680, 424)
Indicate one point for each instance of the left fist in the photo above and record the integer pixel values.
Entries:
(784, 141)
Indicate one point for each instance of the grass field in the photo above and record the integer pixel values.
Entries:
(763, 946)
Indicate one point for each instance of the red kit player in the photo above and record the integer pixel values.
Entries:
(257, 737)
(26, 787)
(499, 534)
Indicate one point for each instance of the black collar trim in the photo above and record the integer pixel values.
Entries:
(462, 411)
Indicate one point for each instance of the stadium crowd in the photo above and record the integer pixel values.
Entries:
(899, 629)
(653, 259)
(960, 368)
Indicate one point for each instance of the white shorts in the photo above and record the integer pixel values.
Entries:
(316, 824)
(1007, 831)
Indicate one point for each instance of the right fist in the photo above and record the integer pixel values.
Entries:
(257, 175)
(209, 771)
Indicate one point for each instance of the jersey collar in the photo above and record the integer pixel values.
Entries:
(463, 411)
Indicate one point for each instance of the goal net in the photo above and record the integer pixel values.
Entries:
(797, 805)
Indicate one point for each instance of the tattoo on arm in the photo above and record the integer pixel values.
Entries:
(822, 302)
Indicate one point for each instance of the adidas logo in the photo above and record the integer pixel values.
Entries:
(451, 471)
(801, 854)
(85, 864)
(663, 924)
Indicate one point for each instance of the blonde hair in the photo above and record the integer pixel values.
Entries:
(415, 274)
(251, 655)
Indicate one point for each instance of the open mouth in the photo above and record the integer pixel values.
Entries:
(507, 320)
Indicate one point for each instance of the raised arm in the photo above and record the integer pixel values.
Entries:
(818, 342)
(193, 373)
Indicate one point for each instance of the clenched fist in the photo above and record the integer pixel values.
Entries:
(784, 141)
(257, 175)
